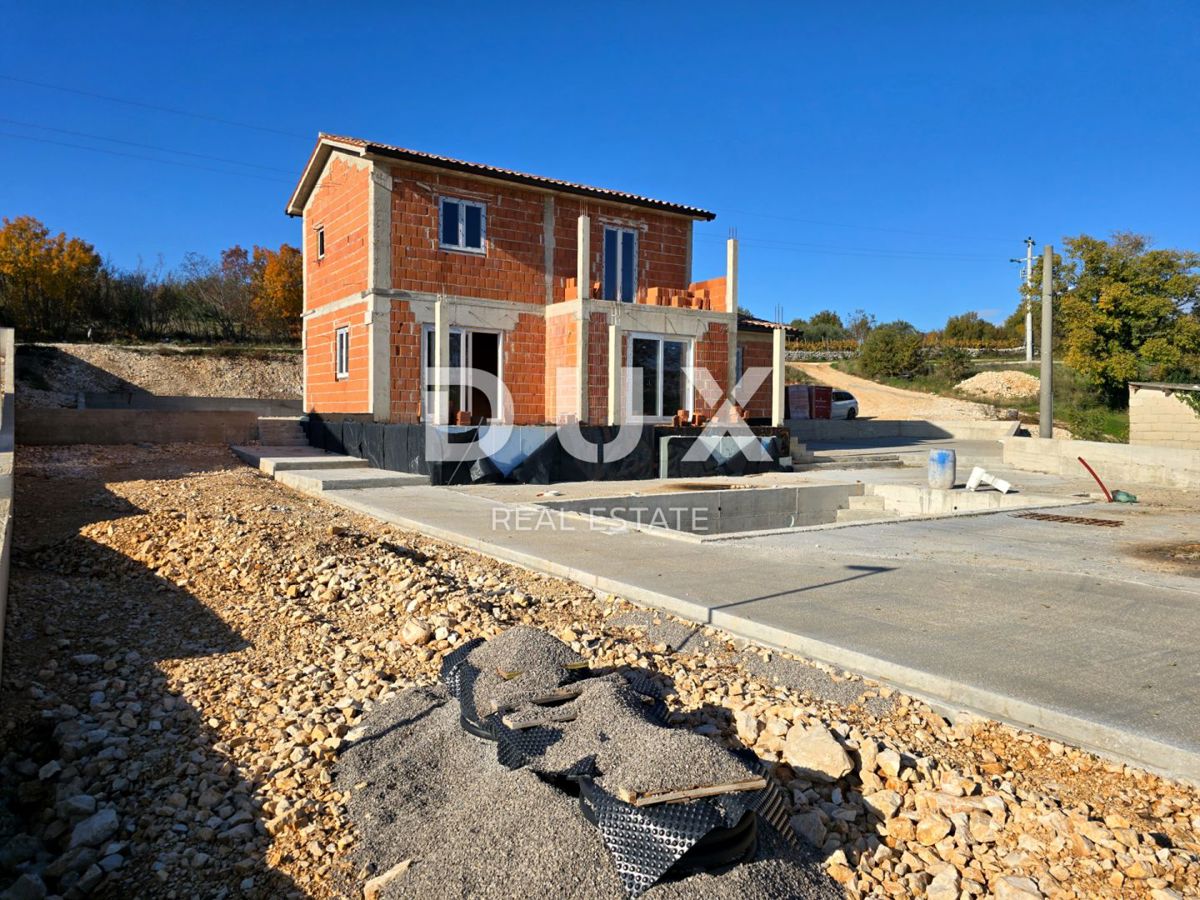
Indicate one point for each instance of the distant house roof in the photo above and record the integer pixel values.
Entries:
(1167, 386)
(327, 143)
(750, 323)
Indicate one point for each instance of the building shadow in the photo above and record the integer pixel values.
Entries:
(89, 723)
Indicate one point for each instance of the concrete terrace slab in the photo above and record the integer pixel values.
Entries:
(321, 481)
(282, 459)
(1057, 627)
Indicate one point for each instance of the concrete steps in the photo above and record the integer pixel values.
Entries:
(867, 501)
(281, 431)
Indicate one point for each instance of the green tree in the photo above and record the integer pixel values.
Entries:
(892, 350)
(969, 328)
(1129, 312)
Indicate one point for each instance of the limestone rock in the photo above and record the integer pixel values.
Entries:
(884, 804)
(95, 829)
(416, 633)
(1016, 887)
(932, 828)
(815, 754)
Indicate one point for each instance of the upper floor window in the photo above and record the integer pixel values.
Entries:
(620, 264)
(463, 225)
(320, 242)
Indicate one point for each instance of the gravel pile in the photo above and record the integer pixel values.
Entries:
(421, 789)
(1001, 385)
(188, 644)
(517, 665)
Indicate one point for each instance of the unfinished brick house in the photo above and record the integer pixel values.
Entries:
(414, 263)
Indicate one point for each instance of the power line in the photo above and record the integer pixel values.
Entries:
(167, 109)
(100, 137)
(168, 162)
(834, 250)
(762, 215)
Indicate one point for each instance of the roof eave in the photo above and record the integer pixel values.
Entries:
(326, 145)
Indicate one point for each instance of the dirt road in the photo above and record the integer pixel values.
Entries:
(878, 401)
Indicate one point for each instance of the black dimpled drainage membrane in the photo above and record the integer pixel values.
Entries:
(647, 843)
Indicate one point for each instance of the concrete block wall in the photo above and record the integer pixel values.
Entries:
(1162, 419)
(1120, 465)
(404, 365)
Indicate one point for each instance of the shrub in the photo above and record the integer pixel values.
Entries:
(953, 364)
(890, 352)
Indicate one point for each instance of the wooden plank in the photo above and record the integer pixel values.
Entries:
(750, 784)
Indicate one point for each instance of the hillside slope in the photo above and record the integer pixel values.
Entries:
(50, 375)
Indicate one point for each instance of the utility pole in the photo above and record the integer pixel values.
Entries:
(1028, 298)
(1046, 412)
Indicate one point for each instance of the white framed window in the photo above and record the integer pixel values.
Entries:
(471, 349)
(463, 225)
(666, 364)
(341, 352)
(320, 242)
(620, 264)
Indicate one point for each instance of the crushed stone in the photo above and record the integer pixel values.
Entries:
(423, 789)
(1001, 385)
(540, 658)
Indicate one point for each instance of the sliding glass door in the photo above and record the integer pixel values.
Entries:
(665, 365)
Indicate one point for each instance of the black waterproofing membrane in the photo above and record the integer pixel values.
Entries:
(646, 843)
(401, 448)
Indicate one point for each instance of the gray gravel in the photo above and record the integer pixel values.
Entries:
(422, 789)
(633, 753)
(538, 656)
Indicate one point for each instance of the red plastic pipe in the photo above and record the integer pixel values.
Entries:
(1107, 495)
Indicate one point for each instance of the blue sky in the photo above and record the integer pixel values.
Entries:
(877, 155)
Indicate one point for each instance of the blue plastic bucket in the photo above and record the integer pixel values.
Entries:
(942, 465)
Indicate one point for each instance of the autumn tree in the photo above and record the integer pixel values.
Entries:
(45, 279)
(277, 290)
(1127, 311)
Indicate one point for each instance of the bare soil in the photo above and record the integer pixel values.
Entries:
(880, 401)
(51, 375)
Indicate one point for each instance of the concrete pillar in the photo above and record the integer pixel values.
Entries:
(1046, 410)
(441, 360)
(614, 375)
(582, 369)
(731, 304)
(731, 275)
(778, 371)
(583, 259)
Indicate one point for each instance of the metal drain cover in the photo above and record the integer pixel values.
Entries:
(1071, 520)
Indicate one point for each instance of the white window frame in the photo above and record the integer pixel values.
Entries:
(618, 230)
(466, 363)
(461, 247)
(341, 353)
(320, 242)
(688, 372)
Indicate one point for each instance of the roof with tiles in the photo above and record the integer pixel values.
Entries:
(327, 143)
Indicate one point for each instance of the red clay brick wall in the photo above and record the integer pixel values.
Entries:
(712, 353)
(597, 352)
(340, 204)
(524, 368)
(405, 358)
(662, 252)
(324, 392)
(513, 267)
(757, 351)
(561, 350)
